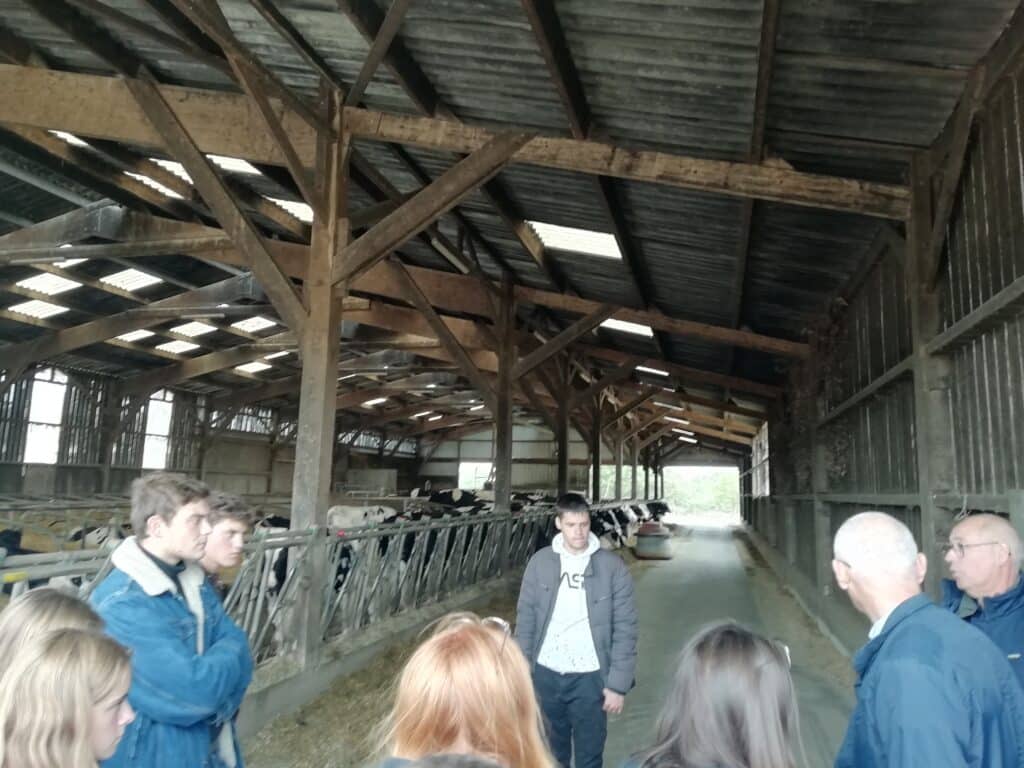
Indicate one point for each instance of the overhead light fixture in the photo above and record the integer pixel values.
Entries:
(627, 327)
(675, 420)
(374, 401)
(476, 407)
(429, 386)
(275, 355)
(347, 376)
(682, 431)
(421, 414)
(70, 138)
(435, 418)
(687, 439)
(655, 371)
(668, 405)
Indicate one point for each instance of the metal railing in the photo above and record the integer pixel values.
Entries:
(368, 574)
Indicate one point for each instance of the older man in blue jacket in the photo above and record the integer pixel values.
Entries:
(984, 556)
(190, 663)
(932, 691)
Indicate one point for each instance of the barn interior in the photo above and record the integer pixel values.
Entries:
(322, 252)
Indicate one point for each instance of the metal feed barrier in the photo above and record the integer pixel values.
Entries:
(369, 574)
(373, 573)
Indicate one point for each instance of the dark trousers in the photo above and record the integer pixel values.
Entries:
(574, 716)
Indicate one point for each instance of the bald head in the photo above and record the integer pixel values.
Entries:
(985, 555)
(875, 543)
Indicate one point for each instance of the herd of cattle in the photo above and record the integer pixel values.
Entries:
(615, 525)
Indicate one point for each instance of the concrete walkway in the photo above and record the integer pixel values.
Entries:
(714, 576)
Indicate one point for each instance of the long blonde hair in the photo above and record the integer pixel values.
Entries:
(47, 694)
(37, 612)
(468, 684)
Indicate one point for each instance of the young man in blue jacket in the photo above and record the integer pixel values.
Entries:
(932, 690)
(577, 625)
(190, 663)
(984, 556)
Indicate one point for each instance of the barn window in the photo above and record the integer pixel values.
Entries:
(760, 475)
(42, 441)
(474, 474)
(158, 427)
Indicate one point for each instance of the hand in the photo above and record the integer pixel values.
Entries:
(613, 702)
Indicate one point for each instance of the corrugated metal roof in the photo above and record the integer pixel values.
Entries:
(856, 88)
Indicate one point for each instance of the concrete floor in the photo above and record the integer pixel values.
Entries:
(715, 576)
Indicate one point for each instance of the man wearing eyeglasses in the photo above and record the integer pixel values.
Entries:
(576, 623)
(984, 558)
(931, 690)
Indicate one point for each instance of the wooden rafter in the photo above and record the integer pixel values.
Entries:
(113, 114)
(426, 206)
(560, 342)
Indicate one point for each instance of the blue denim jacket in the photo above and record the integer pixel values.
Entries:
(190, 663)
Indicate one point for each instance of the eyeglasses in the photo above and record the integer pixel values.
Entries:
(498, 622)
(960, 548)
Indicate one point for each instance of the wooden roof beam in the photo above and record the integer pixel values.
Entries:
(224, 123)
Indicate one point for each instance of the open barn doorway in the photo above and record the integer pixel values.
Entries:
(701, 495)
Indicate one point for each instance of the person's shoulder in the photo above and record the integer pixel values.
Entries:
(606, 558)
(116, 586)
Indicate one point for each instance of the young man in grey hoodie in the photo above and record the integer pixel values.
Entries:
(576, 623)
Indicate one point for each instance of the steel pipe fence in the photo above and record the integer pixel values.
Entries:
(372, 573)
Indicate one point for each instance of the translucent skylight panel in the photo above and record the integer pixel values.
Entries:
(178, 347)
(70, 138)
(301, 211)
(38, 309)
(154, 184)
(254, 367)
(577, 240)
(254, 324)
(174, 167)
(49, 284)
(130, 280)
(234, 164)
(655, 371)
(138, 335)
(68, 263)
(627, 327)
(193, 329)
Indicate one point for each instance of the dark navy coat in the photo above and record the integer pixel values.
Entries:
(933, 691)
(1000, 617)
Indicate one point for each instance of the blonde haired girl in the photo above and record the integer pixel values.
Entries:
(63, 701)
(467, 690)
(37, 612)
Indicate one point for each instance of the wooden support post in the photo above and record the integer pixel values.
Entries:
(647, 479)
(318, 346)
(595, 451)
(503, 416)
(562, 439)
(634, 459)
(617, 451)
(931, 372)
